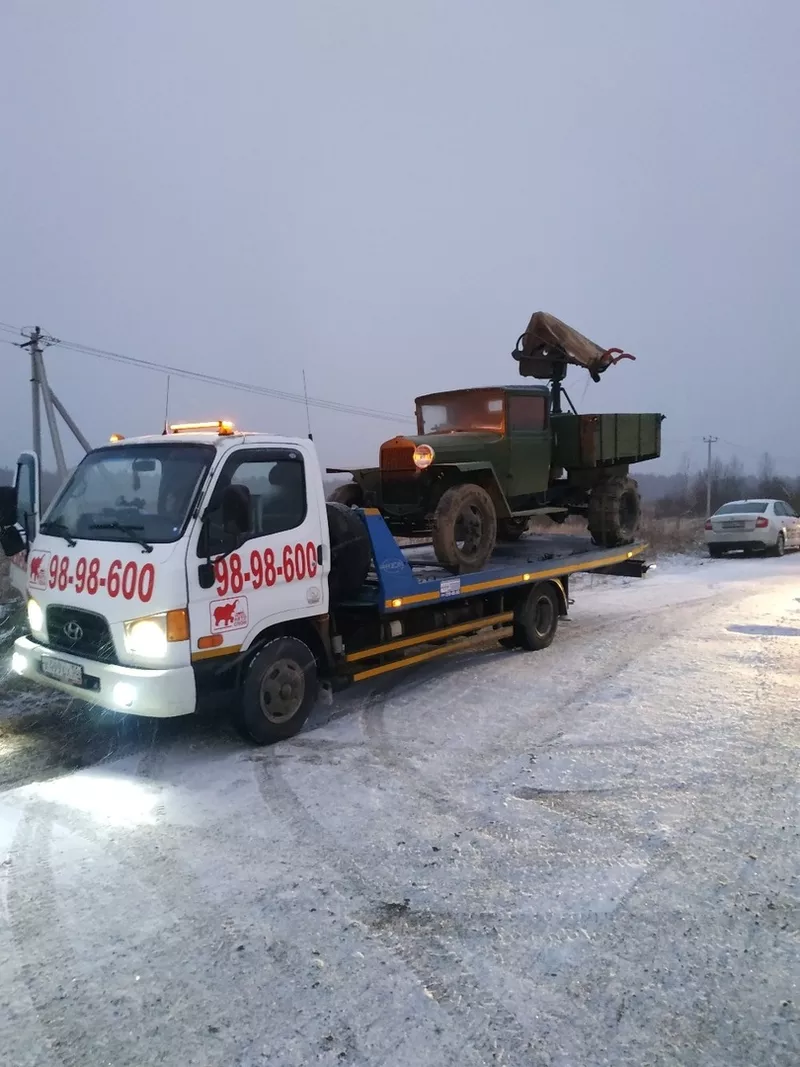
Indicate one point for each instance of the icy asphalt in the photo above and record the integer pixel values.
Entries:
(585, 856)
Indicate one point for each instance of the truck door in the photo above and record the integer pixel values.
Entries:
(271, 572)
(27, 493)
(528, 435)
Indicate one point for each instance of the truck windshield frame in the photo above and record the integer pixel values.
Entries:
(465, 411)
(150, 488)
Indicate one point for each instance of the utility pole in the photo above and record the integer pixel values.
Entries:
(709, 441)
(34, 345)
(42, 394)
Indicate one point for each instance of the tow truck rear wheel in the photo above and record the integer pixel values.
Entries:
(279, 691)
(536, 619)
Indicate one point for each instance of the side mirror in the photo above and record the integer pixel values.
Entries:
(8, 505)
(11, 541)
(236, 508)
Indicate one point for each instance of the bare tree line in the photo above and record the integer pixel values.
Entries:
(729, 481)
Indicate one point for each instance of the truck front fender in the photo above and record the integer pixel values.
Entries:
(482, 474)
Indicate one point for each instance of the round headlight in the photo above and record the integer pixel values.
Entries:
(147, 637)
(423, 456)
(35, 617)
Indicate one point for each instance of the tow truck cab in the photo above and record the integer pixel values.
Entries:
(162, 556)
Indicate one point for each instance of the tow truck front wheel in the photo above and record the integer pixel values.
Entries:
(279, 691)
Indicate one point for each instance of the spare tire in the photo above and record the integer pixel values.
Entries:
(349, 494)
(351, 550)
(615, 509)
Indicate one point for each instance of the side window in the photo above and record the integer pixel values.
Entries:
(781, 508)
(527, 413)
(275, 487)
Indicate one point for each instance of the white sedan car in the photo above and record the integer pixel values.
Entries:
(753, 526)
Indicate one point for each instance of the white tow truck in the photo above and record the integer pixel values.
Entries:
(203, 561)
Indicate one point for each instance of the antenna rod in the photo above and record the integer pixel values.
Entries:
(166, 407)
(308, 413)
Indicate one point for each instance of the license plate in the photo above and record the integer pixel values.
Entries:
(62, 670)
(733, 525)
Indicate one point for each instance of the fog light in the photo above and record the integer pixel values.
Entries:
(124, 694)
(35, 617)
(18, 663)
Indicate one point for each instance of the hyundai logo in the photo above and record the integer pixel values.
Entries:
(73, 631)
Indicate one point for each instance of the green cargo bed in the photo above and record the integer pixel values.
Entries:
(582, 441)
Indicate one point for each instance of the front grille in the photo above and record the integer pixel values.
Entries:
(93, 641)
(398, 455)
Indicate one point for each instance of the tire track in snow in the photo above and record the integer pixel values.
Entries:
(489, 1028)
(41, 947)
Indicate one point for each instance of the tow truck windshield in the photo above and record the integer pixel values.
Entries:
(140, 492)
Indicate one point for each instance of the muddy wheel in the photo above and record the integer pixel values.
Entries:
(780, 545)
(351, 551)
(348, 494)
(511, 529)
(614, 512)
(279, 691)
(464, 528)
(536, 619)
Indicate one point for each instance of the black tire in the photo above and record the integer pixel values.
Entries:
(715, 551)
(351, 551)
(511, 529)
(348, 494)
(748, 551)
(536, 618)
(615, 509)
(780, 545)
(464, 528)
(279, 691)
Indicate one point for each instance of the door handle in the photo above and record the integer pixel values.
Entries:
(320, 555)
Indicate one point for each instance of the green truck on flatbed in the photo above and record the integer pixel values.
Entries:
(484, 461)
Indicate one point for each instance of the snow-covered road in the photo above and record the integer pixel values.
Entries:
(579, 857)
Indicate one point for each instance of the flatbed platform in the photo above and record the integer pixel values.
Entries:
(406, 576)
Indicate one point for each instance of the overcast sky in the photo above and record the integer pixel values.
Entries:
(382, 193)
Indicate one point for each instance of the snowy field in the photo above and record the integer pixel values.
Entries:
(581, 857)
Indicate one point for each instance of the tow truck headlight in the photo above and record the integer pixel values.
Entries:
(423, 457)
(150, 636)
(35, 617)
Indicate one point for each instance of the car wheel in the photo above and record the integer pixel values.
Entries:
(715, 551)
(780, 544)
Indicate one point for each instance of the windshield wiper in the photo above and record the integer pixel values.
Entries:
(123, 528)
(60, 529)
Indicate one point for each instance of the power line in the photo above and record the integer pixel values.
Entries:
(211, 379)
